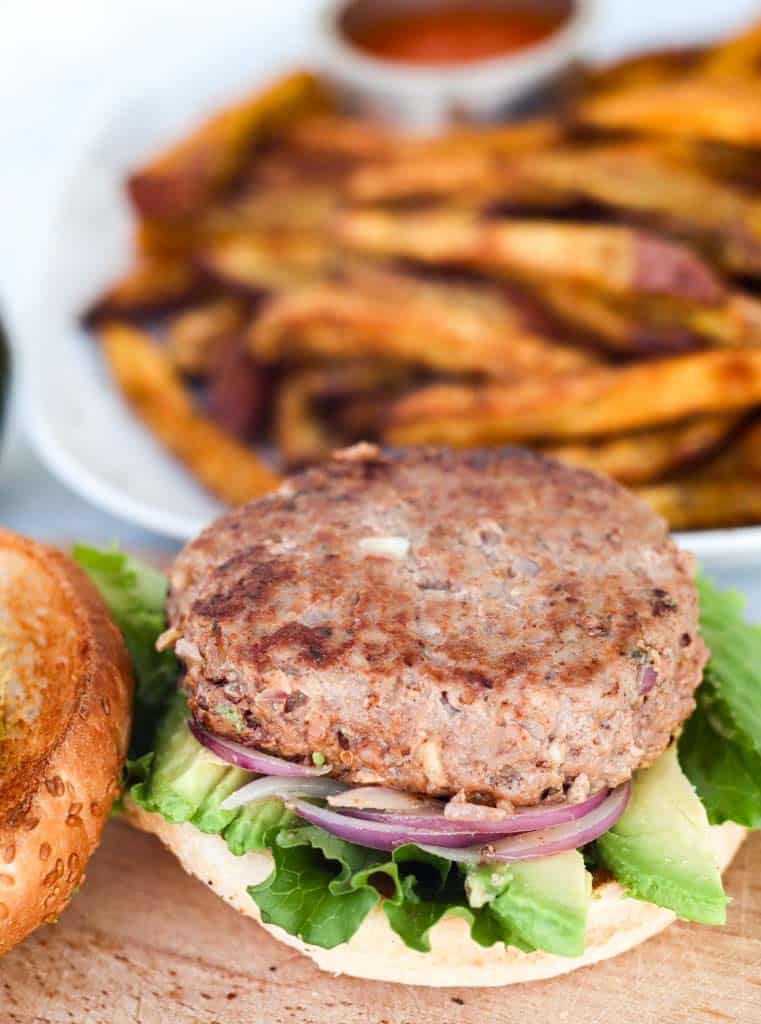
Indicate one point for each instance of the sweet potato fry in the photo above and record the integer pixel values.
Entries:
(741, 458)
(649, 455)
(261, 262)
(737, 166)
(258, 210)
(463, 179)
(179, 182)
(352, 138)
(390, 317)
(297, 208)
(738, 57)
(459, 165)
(699, 503)
(152, 286)
(164, 240)
(617, 326)
(455, 176)
(303, 435)
(507, 138)
(747, 450)
(642, 70)
(237, 388)
(687, 108)
(641, 182)
(735, 323)
(152, 387)
(195, 334)
(586, 404)
(617, 259)
(654, 325)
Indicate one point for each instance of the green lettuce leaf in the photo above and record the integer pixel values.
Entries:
(734, 669)
(136, 597)
(720, 746)
(726, 775)
(306, 893)
(322, 888)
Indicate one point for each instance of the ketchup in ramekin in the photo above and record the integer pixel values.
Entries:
(459, 34)
(425, 64)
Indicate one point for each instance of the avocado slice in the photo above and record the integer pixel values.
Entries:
(543, 902)
(182, 782)
(547, 902)
(186, 783)
(660, 849)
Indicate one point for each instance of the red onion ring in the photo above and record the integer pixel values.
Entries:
(470, 847)
(252, 760)
(528, 820)
(545, 842)
(283, 789)
(372, 834)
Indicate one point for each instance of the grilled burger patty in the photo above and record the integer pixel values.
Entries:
(484, 623)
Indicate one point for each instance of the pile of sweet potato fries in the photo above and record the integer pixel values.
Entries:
(588, 284)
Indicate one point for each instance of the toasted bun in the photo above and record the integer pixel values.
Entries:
(65, 691)
(616, 923)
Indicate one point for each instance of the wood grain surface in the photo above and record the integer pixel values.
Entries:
(143, 943)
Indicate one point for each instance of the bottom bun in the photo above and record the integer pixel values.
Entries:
(616, 922)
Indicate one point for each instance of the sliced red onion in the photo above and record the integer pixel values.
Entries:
(372, 834)
(284, 789)
(252, 760)
(382, 798)
(528, 820)
(647, 679)
(545, 842)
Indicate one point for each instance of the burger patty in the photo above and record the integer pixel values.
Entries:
(487, 624)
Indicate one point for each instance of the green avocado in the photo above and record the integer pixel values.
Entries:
(547, 902)
(660, 849)
(183, 782)
(186, 782)
(544, 902)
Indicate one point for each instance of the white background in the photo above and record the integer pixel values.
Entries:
(66, 63)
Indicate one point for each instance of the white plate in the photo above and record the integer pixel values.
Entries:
(78, 422)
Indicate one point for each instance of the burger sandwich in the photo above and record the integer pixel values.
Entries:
(444, 718)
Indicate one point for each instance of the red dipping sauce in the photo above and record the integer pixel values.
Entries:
(454, 35)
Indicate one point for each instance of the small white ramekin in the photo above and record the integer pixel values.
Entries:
(425, 99)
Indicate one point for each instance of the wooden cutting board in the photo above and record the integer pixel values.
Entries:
(143, 943)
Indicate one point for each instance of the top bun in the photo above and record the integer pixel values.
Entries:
(486, 623)
(65, 692)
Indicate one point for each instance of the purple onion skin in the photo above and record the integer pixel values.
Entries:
(561, 838)
(522, 821)
(545, 842)
(251, 760)
(468, 847)
(375, 835)
(526, 835)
